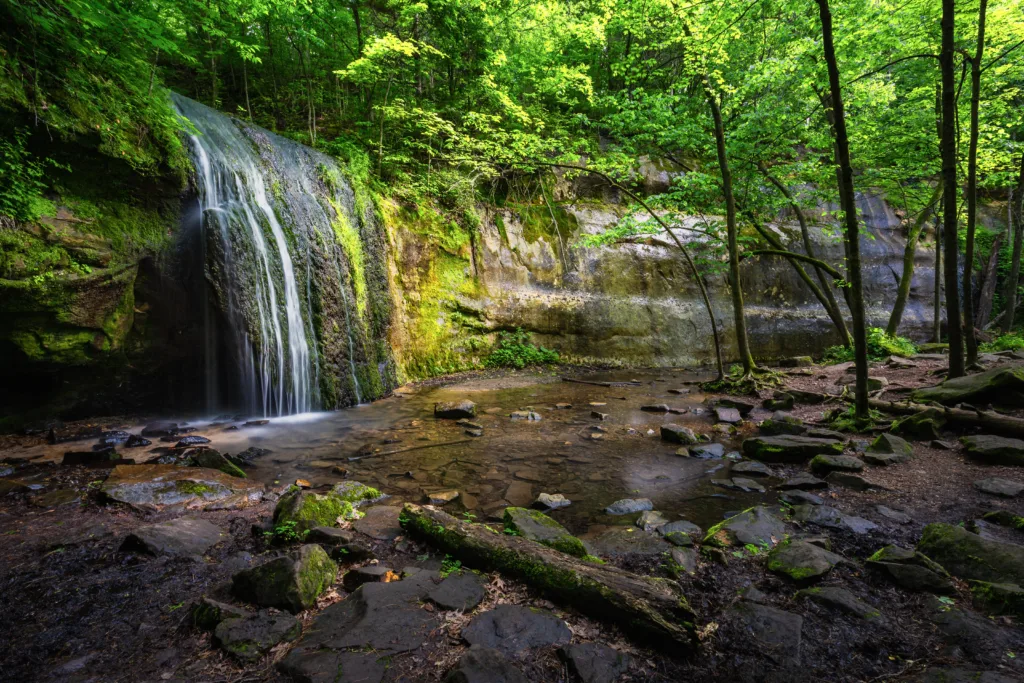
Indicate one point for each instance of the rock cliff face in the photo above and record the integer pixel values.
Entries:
(275, 272)
(635, 303)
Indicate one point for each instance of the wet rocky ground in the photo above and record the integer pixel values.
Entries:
(804, 554)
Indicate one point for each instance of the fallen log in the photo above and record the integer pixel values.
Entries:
(990, 421)
(649, 608)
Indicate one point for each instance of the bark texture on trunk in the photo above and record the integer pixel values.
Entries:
(970, 319)
(1018, 241)
(949, 219)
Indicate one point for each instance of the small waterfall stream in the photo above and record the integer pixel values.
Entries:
(267, 217)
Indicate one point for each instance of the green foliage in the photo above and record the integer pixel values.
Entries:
(449, 565)
(514, 350)
(21, 192)
(880, 347)
(1007, 342)
(286, 532)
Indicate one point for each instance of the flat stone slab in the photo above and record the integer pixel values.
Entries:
(327, 666)
(891, 445)
(911, 569)
(750, 468)
(800, 497)
(994, 450)
(481, 664)
(727, 415)
(823, 515)
(772, 632)
(739, 484)
(789, 448)
(824, 464)
(595, 662)
(681, 532)
(1000, 386)
(514, 628)
(618, 541)
(250, 637)
(159, 486)
(674, 433)
(459, 591)
(804, 481)
(380, 523)
(841, 599)
(757, 526)
(999, 487)
(894, 515)
(384, 617)
(182, 537)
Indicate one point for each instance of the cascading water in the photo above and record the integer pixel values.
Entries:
(266, 213)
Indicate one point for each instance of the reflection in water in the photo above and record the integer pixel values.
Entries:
(398, 446)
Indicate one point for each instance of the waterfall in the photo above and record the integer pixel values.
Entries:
(267, 212)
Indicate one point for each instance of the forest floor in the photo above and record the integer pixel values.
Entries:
(81, 605)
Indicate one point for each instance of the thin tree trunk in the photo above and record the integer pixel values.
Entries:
(743, 346)
(949, 218)
(937, 313)
(988, 284)
(909, 252)
(1018, 241)
(245, 81)
(972, 189)
(848, 203)
(829, 302)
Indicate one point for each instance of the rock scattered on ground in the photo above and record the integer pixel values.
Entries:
(999, 487)
(249, 638)
(292, 582)
(629, 506)
(459, 591)
(514, 628)
(455, 410)
(181, 537)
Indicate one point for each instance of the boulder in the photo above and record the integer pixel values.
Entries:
(970, 556)
(911, 569)
(726, 414)
(1004, 518)
(651, 520)
(514, 628)
(380, 523)
(454, 410)
(481, 664)
(182, 537)
(739, 405)
(854, 482)
(674, 433)
(798, 497)
(705, 451)
(213, 460)
(822, 465)
(781, 423)
(551, 501)
(595, 662)
(292, 582)
(841, 599)
(894, 515)
(923, 426)
(801, 561)
(249, 638)
(308, 509)
(629, 506)
(998, 598)
(757, 526)
(999, 487)
(189, 441)
(153, 487)
(536, 526)
(681, 532)
(999, 386)
(681, 561)
(789, 449)
(994, 450)
(888, 449)
(207, 613)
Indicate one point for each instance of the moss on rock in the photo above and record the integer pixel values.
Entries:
(537, 526)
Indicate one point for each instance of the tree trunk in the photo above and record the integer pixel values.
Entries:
(970, 320)
(654, 609)
(847, 201)
(903, 291)
(1018, 239)
(949, 218)
(988, 284)
(743, 346)
(989, 421)
(937, 313)
(829, 301)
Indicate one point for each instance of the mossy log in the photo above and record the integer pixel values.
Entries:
(651, 609)
(990, 421)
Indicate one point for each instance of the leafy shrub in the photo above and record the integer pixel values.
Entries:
(514, 350)
(285, 533)
(21, 193)
(1007, 342)
(880, 347)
